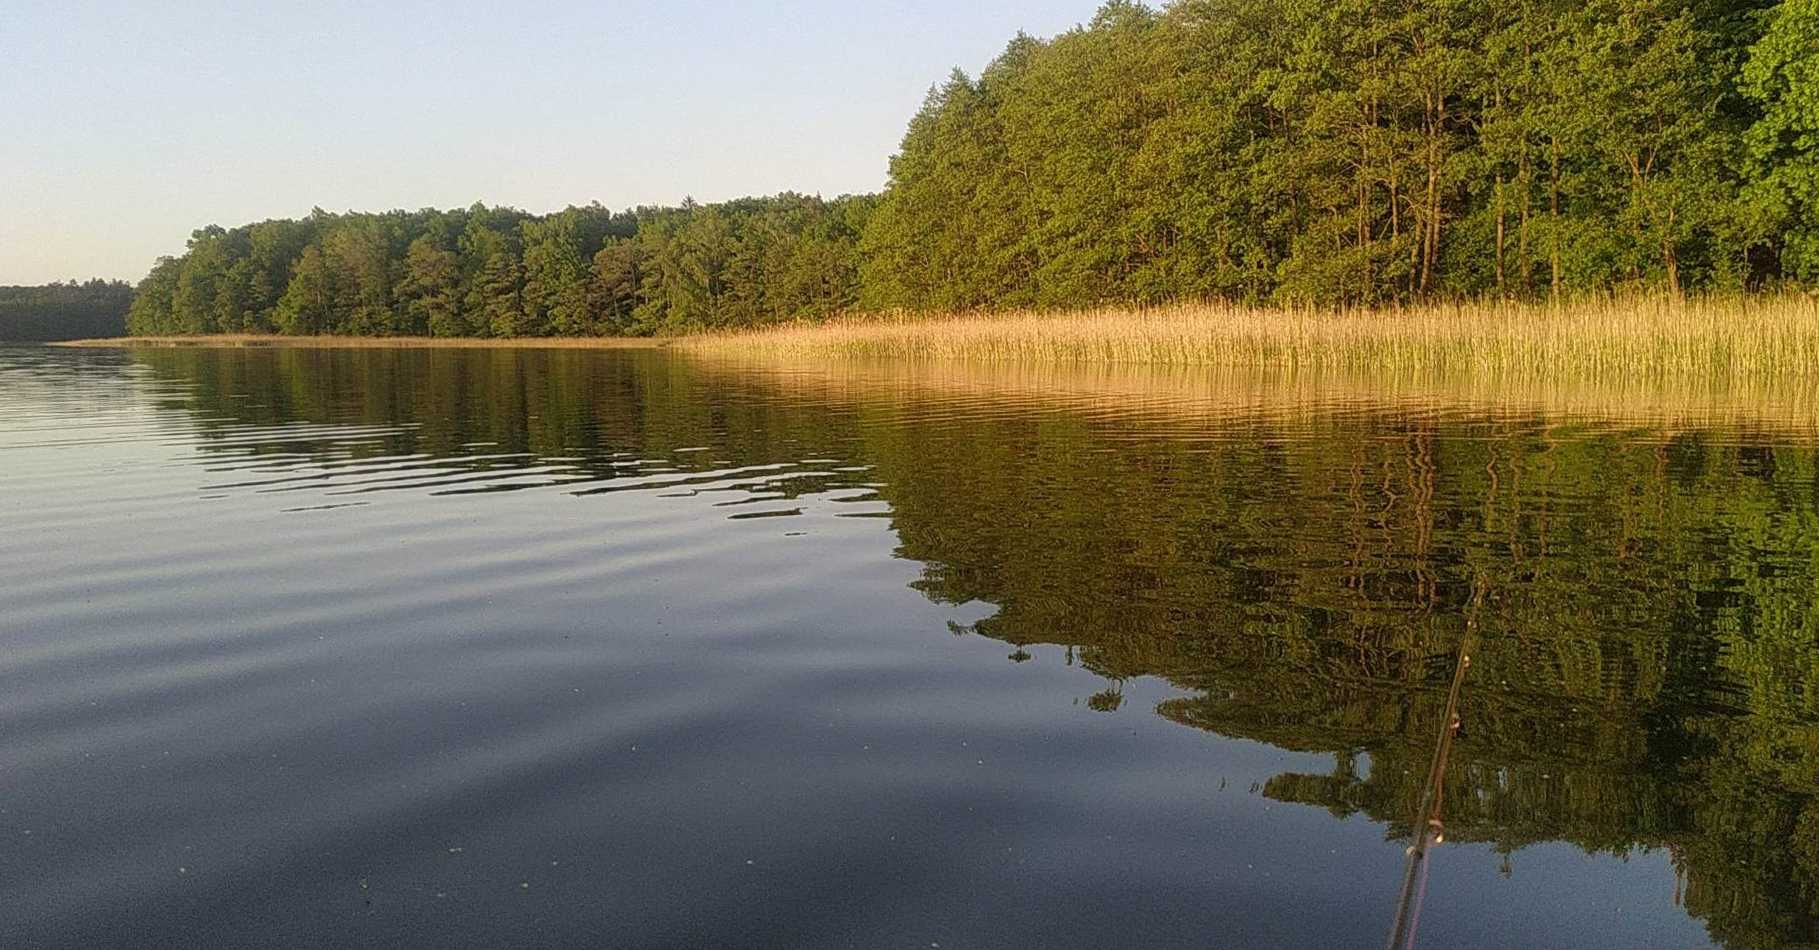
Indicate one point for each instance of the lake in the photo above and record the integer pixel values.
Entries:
(566, 648)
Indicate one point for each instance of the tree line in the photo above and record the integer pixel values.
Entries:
(1330, 152)
(1364, 151)
(499, 272)
(64, 310)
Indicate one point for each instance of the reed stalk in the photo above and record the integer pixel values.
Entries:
(1652, 340)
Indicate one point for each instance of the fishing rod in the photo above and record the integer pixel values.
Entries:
(1428, 830)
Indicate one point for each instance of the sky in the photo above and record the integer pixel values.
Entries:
(127, 125)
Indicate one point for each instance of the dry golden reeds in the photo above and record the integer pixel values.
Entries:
(1652, 339)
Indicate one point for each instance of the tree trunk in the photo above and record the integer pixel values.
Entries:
(1364, 226)
(1554, 214)
(1522, 175)
(1502, 290)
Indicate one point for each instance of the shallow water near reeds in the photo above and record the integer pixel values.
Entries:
(561, 648)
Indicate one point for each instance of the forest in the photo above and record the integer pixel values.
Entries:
(64, 311)
(1299, 152)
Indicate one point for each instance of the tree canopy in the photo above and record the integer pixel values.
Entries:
(1358, 152)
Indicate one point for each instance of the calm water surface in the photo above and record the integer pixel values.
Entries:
(489, 648)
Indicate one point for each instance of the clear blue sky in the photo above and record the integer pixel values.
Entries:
(129, 124)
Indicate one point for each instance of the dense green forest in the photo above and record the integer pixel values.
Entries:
(1295, 151)
(502, 273)
(64, 311)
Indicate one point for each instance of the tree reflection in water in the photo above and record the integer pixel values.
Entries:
(1303, 571)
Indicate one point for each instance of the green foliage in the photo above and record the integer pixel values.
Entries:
(64, 311)
(1782, 76)
(500, 272)
(558, 262)
(307, 306)
(428, 288)
(1342, 151)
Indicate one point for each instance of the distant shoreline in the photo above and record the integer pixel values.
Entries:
(1697, 343)
(277, 341)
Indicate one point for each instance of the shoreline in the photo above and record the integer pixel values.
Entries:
(1703, 343)
(278, 341)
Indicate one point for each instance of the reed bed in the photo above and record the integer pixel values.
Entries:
(1718, 341)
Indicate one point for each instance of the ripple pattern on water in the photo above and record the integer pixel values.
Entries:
(564, 648)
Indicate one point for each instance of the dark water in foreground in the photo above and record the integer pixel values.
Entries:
(591, 649)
